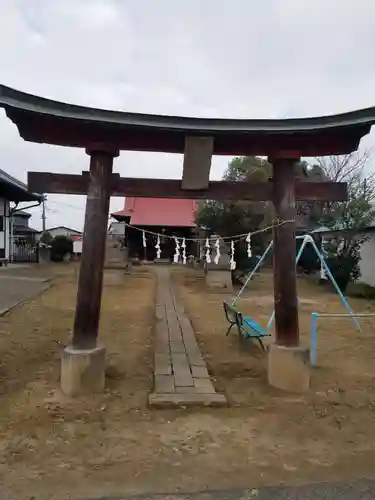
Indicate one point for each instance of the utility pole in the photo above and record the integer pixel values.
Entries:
(44, 213)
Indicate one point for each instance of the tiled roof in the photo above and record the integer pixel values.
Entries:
(62, 227)
(339, 227)
(168, 212)
(21, 213)
(15, 189)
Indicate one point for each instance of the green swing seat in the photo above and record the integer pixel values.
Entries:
(248, 329)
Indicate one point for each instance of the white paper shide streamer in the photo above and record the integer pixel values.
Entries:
(217, 247)
(144, 239)
(248, 241)
(207, 247)
(232, 261)
(158, 249)
(322, 270)
(183, 246)
(176, 256)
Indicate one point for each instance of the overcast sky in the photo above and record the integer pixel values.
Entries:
(216, 58)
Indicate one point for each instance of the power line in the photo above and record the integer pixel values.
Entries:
(66, 205)
(62, 204)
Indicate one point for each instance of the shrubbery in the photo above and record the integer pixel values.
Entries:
(61, 246)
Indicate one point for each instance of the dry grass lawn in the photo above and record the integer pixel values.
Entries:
(112, 443)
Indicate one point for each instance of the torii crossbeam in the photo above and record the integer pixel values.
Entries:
(104, 134)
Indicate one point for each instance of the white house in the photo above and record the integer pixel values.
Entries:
(366, 264)
(4, 229)
(61, 231)
(115, 229)
(77, 246)
(367, 251)
(11, 191)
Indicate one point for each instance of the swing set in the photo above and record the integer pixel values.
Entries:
(248, 328)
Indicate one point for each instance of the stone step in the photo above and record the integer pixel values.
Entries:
(184, 399)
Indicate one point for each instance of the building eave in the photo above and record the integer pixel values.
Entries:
(61, 227)
(14, 190)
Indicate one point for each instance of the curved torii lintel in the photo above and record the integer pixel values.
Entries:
(53, 122)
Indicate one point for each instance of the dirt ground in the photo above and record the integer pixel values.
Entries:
(113, 443)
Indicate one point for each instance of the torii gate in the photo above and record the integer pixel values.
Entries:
(104, 134)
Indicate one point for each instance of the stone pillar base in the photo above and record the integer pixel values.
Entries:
(82, 371)
(289, 368)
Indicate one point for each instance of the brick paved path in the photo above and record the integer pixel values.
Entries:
(180, 374)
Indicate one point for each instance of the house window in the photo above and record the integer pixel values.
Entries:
(2, 223)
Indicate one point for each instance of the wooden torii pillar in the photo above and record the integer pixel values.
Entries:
(83, 363)
(104, 133)
(285, 289)
(288, 362)
(90, 283)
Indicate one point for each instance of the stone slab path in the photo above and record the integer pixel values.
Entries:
(180, 373)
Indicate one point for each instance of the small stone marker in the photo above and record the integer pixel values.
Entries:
(116, 255)
(218, 276)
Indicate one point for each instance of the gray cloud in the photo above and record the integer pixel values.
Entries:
(238, 58)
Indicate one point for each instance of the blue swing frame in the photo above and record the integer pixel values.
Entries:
(246, 325)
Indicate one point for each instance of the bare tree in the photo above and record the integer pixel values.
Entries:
(349, 218)
(350, 168)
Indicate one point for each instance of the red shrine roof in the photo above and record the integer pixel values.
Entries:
(168, 212)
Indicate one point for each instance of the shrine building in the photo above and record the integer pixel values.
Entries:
(147, 217)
